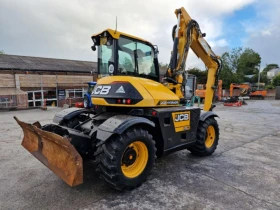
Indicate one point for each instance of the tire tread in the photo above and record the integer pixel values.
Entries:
(107, 154)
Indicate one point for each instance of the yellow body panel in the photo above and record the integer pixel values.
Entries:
(151, 91)
(181, 121)
(117, 34)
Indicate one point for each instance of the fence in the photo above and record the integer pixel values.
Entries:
(13, 101)
(8, 101)
(12, 98)
(271, 93)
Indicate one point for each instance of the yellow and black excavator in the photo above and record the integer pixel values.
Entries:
(135, 118)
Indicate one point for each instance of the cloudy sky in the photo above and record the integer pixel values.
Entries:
(62, 29)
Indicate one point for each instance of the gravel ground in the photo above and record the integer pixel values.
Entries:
(243, 173)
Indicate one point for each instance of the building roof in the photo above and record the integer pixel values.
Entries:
(28, 63)
(272, 73)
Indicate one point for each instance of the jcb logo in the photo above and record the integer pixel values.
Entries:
(181, 121)
(181, 117)
(101, 90)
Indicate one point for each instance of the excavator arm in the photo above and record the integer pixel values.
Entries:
(187, 34)
(245, 89)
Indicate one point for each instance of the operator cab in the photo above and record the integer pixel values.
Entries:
(125, 55)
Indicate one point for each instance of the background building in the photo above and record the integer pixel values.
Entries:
(32, 81)
(273, 72)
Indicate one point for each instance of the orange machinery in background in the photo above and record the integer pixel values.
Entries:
(201, 90)
(247, 89)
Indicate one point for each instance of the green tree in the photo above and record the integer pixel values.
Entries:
(231, 59)
(276, 80)
(269, 86)
(237, 64)
(248, 62)
(228, 73)
(2, 52)
(163, 65)
(163, 68)
(201, 76)
(263, 78)
(263, 74)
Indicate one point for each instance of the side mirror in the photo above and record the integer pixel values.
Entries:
(93, 48)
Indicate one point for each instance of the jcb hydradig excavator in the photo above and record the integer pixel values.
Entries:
(135, 118)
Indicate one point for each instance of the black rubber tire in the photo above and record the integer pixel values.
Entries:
(109, 154)
(200, 149)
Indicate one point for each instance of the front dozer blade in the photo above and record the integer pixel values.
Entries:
(54, 151)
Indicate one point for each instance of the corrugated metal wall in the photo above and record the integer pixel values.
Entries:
(33, 80)
(7, 80)
(277, 95)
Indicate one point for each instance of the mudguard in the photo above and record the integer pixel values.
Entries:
(54, 151)
(118, 124)
(205, 115)
(67, 114)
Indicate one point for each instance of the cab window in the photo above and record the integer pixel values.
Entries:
(135, 58)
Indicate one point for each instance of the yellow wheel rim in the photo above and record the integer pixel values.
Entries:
(134, 159)
(210, 136)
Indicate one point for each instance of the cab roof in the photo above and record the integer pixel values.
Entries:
(117, 34)
(92, 83)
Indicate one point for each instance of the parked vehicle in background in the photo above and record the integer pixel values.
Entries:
(201, 91)
(254, 90)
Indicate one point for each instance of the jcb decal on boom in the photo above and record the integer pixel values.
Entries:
(181, 121)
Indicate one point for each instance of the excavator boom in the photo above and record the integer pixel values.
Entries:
(187, 35)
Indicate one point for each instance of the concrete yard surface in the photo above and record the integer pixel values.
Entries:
(243, 173)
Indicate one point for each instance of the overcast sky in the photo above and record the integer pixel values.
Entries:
(62, 28)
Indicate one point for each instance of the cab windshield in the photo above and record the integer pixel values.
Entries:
(133, 58)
